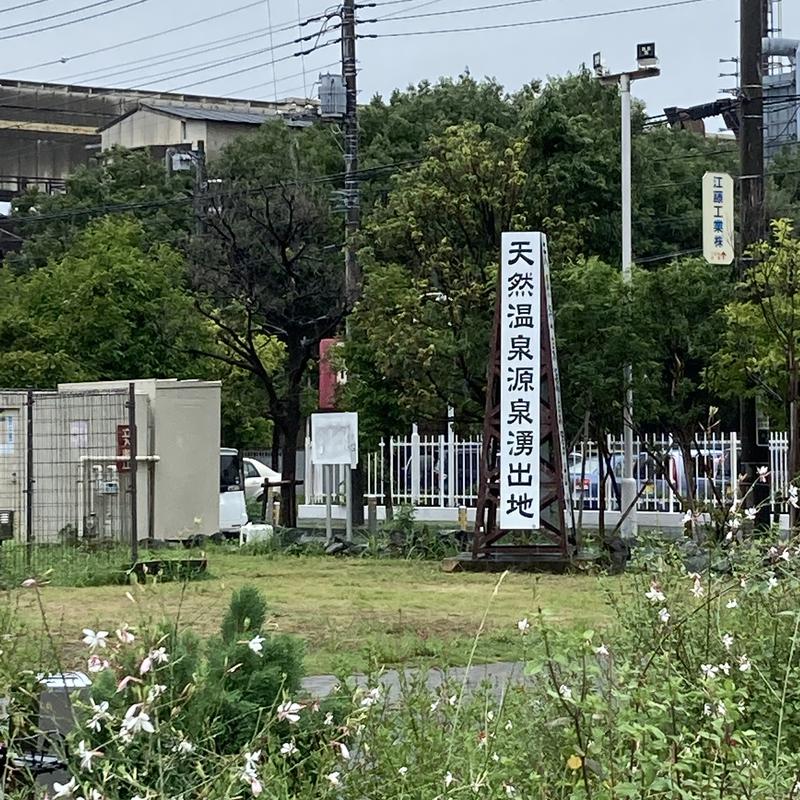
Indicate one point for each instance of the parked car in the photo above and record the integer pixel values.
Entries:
(467, 473)
(255, 473)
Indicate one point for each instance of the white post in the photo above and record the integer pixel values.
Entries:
(452, 476)
(442, 462)
(308, 477)
(630, 525)
(348, 484)
(415, 466)
(734, 466)
(327, 489)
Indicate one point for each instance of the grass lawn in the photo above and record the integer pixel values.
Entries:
(354, 614)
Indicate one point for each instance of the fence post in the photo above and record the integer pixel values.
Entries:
(310, 485)
(133, 469)
(452, 476)
(415, 466)
(29, 479)
(734, 466)
(442, 462)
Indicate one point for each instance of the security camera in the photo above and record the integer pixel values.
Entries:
(646, 55)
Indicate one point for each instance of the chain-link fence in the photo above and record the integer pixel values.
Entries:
(65, 473)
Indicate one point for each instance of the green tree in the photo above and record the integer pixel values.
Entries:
(268, 272)
(431, 268)
(760, 351)
(120, 181)
(110, 307)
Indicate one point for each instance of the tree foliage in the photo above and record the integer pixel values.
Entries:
(111, 306)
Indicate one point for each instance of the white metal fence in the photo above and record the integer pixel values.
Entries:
(443, 472)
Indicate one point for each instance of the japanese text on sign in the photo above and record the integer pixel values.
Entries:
(520, 369)
(718, 224)
(124, 447)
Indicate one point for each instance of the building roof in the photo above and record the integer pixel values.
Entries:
(182, 111)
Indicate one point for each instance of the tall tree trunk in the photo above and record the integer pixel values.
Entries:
(289, 474)
(276, 448)
(388, 497)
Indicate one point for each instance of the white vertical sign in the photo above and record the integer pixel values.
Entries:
(520, 371)
(718, 222)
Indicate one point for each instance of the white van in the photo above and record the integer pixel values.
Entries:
(232, 505)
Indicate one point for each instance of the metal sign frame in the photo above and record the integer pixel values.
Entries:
(555, 537)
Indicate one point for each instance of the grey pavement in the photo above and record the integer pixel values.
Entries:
(499, 676)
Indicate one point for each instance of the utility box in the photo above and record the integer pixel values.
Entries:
(332, 96)
(6, 525)
(177, 457)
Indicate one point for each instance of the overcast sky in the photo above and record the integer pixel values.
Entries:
(690, 40)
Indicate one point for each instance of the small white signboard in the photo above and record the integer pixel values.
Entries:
(718, 220)
(520, 371)
(334, 439)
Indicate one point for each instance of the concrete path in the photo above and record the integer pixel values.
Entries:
(500, 676)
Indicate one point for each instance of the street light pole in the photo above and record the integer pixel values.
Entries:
(646, 56)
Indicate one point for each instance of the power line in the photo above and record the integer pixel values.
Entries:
(525, 23)
(75, 21)
(148, 37)
(23, 5)
(507, 4)
(57, 16)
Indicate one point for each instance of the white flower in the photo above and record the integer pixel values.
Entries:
(124, 635)
(251, 761)
(763, 473)
(721, 709)
(155, 692)
(402, 772)
(137, 721)
(735, 523)
(726, 668)
(565, 692)
(146, 665)
(30, 583)
(523, 626)
(510, 790)
(100, 714)
(123, 684)
(328, 719)
(727, 641)
(751, 513)
(509, 726)
(663, 615)
(97, 664)
(448, 779)
(743, 583)
(256, 644)
(87, 755)
(655, 595)
(732, 603)
(793, 498)
(601, 651)
(289, 712)
(772, 582)
(256, 787)
(94, 639)
(159, 656)
(786, 555)
(372, 697)
(709, 671)
(708, 709)
(334, 778)
(184, 747)
(343, 750)
(64, 789)
(288, 749)
(697, 589)
(495, 758)
(435, 705)
(744, 663)
(452, 700)
(490, 715)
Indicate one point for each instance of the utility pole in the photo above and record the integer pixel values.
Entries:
(200, 187)
(753, 224)
(351, 183)
(352, 197)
